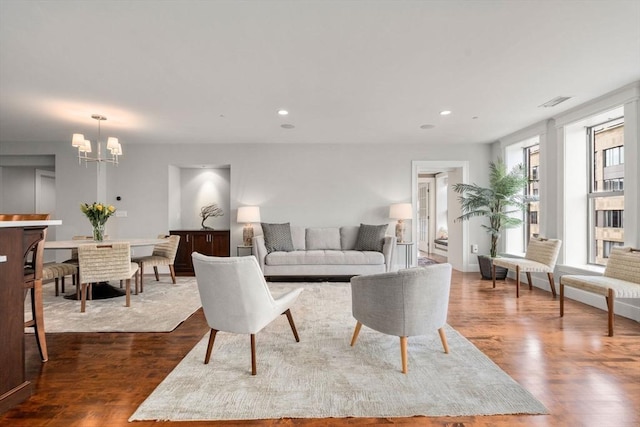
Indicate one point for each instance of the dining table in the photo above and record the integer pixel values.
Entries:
(102, 290)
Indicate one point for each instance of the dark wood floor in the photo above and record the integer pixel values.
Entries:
(583, 377)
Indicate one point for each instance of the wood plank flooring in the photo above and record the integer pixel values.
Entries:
(583, 377)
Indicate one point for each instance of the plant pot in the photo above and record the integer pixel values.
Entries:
(486, 266)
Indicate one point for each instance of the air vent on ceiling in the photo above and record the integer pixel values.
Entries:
(555, 101)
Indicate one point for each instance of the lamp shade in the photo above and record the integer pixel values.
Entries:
(77, 140)
(248, 214)
(112, 143)
(401, 211)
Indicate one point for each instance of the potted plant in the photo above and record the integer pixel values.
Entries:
(498, 202)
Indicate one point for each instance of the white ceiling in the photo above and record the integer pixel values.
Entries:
(348, 71)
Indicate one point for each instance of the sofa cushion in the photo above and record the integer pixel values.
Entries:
(325, 257)
(349, 237)
(323, 238)
(298, 236)
(277, 237)
(371, 237)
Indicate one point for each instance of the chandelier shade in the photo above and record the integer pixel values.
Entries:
(84, 146)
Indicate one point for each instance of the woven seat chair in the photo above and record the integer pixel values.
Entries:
(541, 257)
(104, 262)
(57, 271)
(163, 254)
(32, 281)
(405, 303)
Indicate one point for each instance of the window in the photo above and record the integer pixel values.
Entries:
(606, 195)
(532, 163)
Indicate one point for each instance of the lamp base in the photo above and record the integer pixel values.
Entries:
(247, 235)
(400, 231)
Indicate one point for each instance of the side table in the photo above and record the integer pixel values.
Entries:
(408, 253)
(243, 247)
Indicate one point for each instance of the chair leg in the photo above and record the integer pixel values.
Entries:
(443, 338)
(173, 274)
(83, 298)
(529, 281)
(62, 285)
(141, 277)
(57, 281)
(517, 281)
(561, 300)
(128, 293)
(610, 307)
(253, 354)
(155, 270)
(212, 338)
(403, 353)
(38, 319)
(552, 284)
(355, 334)
(293, 325)
(493, 274)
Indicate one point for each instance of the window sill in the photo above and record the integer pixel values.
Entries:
(581, 269)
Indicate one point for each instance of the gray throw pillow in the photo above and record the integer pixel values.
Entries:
(371, 237)
(277, 237)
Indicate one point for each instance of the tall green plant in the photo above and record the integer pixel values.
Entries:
(498, 202)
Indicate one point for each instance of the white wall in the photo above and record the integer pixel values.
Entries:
(310, 185)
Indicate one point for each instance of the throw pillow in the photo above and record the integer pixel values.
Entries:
(371, 237)
(277, 237)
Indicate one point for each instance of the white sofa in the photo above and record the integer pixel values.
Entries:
(325, 252)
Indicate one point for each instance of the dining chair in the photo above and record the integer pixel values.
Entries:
(104, 262)
(404, 303)
(541, 257)
(57, 271)
(163, 254)
(235, 298)
(32, 278)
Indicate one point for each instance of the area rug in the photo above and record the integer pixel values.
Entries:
(322, 376)
(424, 261)
(160, 308)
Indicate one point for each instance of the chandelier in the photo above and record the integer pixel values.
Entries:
(84, 146)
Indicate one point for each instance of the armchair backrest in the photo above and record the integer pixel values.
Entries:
(234, 294)
(102, 262)
(408, 302)
(543, 250)
(624, 264)
(167, 249)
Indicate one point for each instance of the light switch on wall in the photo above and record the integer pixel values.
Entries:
(121, 213)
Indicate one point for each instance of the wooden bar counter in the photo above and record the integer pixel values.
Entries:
(14, 388)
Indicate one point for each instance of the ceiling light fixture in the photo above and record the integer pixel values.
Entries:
(287, 126)
(445, 112)
(84, 146)
(427, 127)
(283, 112)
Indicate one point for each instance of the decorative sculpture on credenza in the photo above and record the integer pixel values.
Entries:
(208, 211)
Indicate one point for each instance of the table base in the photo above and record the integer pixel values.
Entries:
(102, 290)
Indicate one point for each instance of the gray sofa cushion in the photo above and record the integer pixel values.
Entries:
(322, 257)
(323, 238)
(349, 237)
(371, 237)
(277, 237)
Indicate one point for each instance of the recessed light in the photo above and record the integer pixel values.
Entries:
(427, 126)
(555, 101)
(283, 112)
(445, 112)
(287, 126)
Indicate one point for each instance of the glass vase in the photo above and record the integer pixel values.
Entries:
(98, 232)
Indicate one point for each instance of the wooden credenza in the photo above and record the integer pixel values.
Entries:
(207, 242)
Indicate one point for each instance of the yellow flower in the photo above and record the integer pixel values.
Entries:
(111, 208)
(99, 208)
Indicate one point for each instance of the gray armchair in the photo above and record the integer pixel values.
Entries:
(235, 298)
(406, 303)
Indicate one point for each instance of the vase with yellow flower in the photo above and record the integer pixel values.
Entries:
(98, 214)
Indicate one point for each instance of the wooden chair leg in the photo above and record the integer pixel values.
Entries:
(57, 281)
(610, 308)
(173, 274)
(83, 298)
(155, 271)
(493, 274)
(517, 281)
(62, 285)
(38, 319)
(212, 338)
(529, 281)
(253, 354)
(142, 277)
(128, 293)
(561, 300)
(403, 353)
(355, 334)
(293, 325)
(443, 338)
(552, 283)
